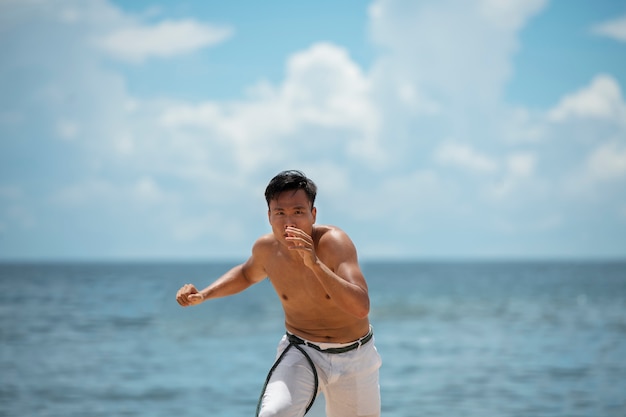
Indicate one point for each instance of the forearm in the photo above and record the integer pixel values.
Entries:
(350, 297)
(232, 282)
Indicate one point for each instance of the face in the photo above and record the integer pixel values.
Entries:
(291, 209)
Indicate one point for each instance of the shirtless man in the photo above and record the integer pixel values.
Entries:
(314, 269)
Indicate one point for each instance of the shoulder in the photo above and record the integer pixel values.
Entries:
(255, 267)
(333, 238)
(336, 250)
(329, 232)
(264, 244)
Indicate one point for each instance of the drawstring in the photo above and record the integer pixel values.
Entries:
(280, 358)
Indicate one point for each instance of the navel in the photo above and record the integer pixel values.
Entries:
(327, 296)
(285, 297)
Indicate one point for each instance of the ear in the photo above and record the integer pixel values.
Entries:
(269, 219)
(314, 213)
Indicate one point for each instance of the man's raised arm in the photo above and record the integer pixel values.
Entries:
(232, 282)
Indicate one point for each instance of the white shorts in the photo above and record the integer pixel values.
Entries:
(349, 381)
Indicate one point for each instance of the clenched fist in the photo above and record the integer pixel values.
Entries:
(188, 295)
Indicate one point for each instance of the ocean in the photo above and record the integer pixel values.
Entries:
(474, 339)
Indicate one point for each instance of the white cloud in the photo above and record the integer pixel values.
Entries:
(14, 210)
(542, 224)
(69, 15)
(602, 99)
(164, 40)
(521, 164)
(324, 91)
(599, 175)
(84, 193)
(218, 225)
(147, 190)
(518, 179)
(455, 51)
(20, 215)
(509, 14)
(614, 29)
(587, 129)
(138, 194)
(124, 143)
(398, 199)
(521, 125)
(463, 156)
(68, 129)
(333, 178)
(327, 88)
(607, 162)
(374, 140)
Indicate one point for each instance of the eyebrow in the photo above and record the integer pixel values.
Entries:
(293, 208)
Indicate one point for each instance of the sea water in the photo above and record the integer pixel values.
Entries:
(457, 339)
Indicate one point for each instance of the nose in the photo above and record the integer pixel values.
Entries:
(289, 222)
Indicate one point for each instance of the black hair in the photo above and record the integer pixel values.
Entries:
(290, 180)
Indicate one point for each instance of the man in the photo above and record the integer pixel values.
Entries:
(314, 269)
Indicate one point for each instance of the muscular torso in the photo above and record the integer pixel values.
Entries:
(310, 311)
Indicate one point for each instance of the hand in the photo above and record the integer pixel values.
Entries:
(300, 241)
(188, 295)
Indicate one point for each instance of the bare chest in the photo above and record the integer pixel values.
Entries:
(294, 282)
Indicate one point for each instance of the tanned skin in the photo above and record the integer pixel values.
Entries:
(313, 268)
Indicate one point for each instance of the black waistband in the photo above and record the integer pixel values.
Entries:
(297, 341)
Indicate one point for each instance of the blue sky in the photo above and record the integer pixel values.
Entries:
(446, 129)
